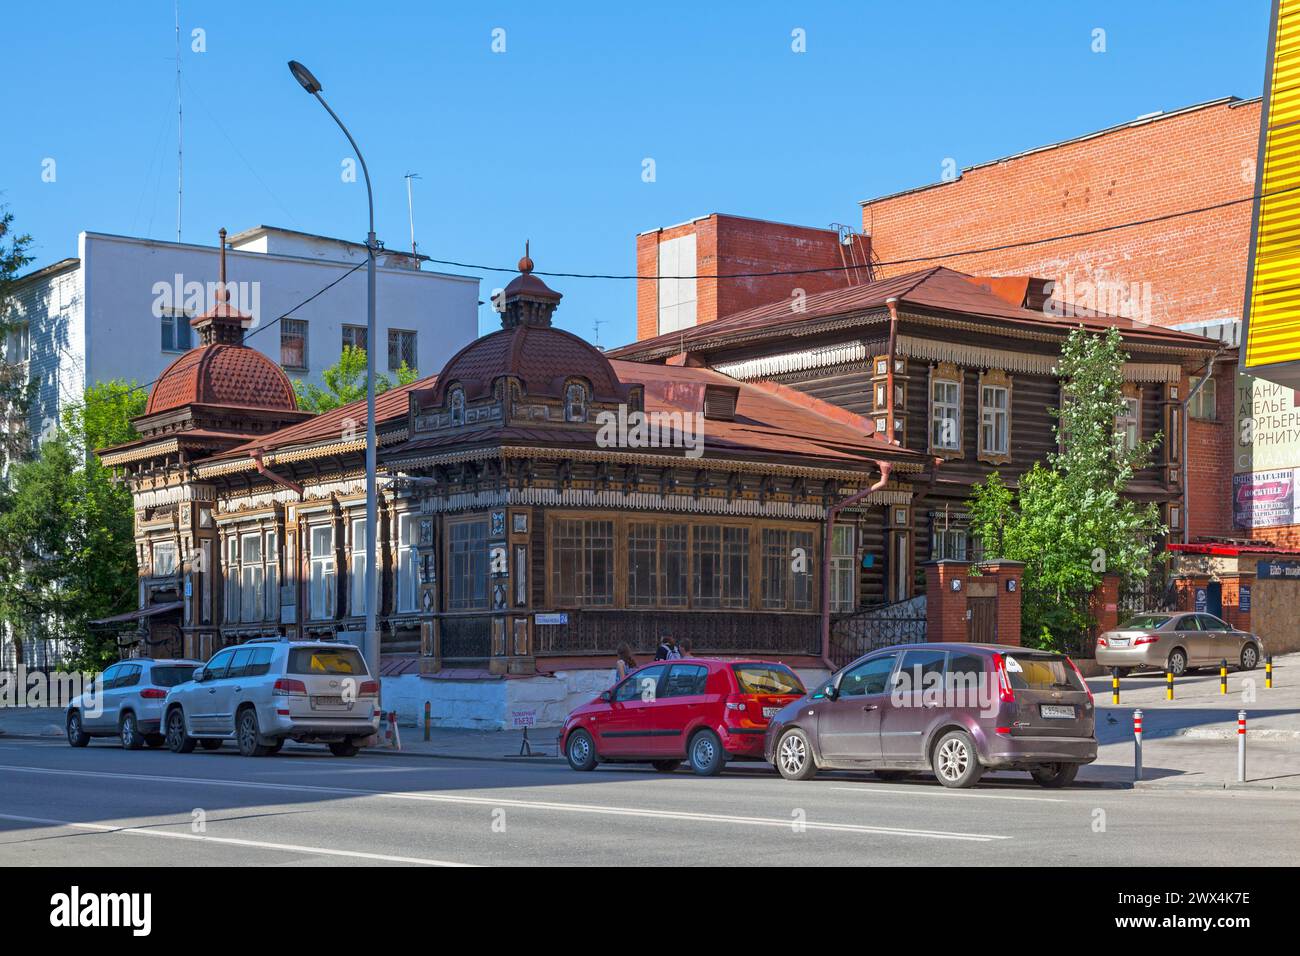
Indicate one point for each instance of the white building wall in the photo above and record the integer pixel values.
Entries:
(125, 337)
(53, 308)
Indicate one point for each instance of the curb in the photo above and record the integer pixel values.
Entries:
(1221, 785)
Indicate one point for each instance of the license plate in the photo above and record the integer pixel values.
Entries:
(1119, 642)
(326, 701)
(770, 712)
(1056, 711)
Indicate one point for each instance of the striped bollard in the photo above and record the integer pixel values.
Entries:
(1137, 744)
(1223, 676)
(1241, 746)
(1114, 685)
(1268, 672)
(1169, 685)
(428, 718)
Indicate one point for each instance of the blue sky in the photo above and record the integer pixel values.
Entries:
(546, 140)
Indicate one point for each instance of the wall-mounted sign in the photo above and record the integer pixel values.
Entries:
(956, 584)
(1264, 499)
(560, 618)
(1011, 585)
(1202, 600)
(1278, 569)
(1243, 598)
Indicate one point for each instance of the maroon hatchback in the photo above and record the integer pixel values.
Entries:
(700, 710)
(954, 709)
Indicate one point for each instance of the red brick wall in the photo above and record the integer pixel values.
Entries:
(1196, 264)
(1209, 460)
(726, 245)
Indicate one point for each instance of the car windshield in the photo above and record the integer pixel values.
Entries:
(1041, 672)
(767, 679)
(169, 675)
(1148, 622)
(326, 660)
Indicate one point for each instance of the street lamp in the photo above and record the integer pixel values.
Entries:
(371, 647)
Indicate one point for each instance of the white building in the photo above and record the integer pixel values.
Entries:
(121, 309)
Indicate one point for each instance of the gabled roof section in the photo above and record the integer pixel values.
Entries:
(937, 290)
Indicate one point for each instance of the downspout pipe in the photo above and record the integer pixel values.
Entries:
(886, 468)
(1205, 376)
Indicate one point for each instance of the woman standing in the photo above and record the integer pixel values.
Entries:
(625, 662)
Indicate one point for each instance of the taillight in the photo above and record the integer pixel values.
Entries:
(1144, 640)
(153, 693)
(369, 688)
(1101, 642)
(1006, 693)
(1077, 673)
(288, 687)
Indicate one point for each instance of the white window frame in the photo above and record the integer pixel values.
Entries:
(844, 568)
(357, 569)
(252, 596)
(322, 578)
(164, 548)
(1128, 425)
(937, 419)
(575, 408)
(408, 561)
(396, 337)
(992, 416)
(1208, 395)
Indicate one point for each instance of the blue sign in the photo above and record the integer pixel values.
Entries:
(1201, 600)
(1243, 598)
(1278, 569)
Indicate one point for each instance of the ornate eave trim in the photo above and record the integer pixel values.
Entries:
(305, 453)
(655, 461)
(978, 356)
(136, 454)
(623, 501)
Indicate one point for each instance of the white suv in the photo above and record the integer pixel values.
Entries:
(128, 703)
(267, 691)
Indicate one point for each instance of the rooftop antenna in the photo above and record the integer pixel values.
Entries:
(595, 327)
(180, 130)
(410, 207)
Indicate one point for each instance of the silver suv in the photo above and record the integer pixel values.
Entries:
(130, 704)
(267, 691)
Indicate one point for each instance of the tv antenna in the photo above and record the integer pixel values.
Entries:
(410, 207)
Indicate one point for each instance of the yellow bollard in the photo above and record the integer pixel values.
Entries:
(1268, 672)
(1114, 685)
(1169, 685)
(1223, 676)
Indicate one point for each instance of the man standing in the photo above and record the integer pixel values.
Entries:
(667, 649)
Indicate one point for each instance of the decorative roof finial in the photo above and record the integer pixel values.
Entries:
(222, 294)
(525, 264)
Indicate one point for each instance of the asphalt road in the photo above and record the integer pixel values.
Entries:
(103, 806)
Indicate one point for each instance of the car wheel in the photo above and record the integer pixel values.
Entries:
(794, 758)
(77, 736)
(248, 736)
(155, 741)
(955, 762)
(209, 743)
(344, 748)
(706, 754)
(1177, 664)
(1055, 775)
(178, 742)
(1249, 657)
(666, 766)
(890, 774)
(581, 750)
(129, 731)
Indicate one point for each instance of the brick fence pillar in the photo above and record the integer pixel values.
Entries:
(1103, 604)
(1009, 575)
(945, 600)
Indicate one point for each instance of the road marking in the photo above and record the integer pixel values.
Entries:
(917, 791)
(494, 802)
(229, 841)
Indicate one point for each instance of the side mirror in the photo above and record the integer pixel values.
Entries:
(606, 696)
(198, 675)
(830, 691)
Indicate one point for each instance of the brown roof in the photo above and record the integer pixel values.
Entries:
(222, 374)
(937, 289)
(541, 356)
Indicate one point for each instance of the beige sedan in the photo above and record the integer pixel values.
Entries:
(1177, 642)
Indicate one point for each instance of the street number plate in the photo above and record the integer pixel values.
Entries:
(1056, 711)
(770, 712)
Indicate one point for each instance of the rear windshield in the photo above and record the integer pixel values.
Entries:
(326, 660)
(169, 675)
(1148, 622)
(767, 679)
(1042, 672)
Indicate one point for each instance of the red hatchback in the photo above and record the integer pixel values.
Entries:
(704, 711)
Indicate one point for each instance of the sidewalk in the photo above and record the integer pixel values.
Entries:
(1190, 741)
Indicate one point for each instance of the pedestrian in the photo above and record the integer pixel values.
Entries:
(625, 661)
(667, 649)
(687, 647)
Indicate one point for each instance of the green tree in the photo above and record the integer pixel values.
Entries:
(67, 551)
(1069, 521)
(345, 382)
(16, 387)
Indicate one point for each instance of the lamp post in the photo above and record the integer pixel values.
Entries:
(371, 647)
